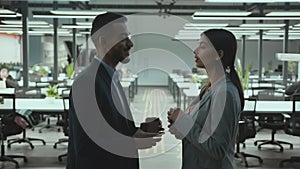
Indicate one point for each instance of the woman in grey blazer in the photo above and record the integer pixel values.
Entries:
(208, 127)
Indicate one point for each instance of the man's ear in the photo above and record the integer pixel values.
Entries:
(221, 53)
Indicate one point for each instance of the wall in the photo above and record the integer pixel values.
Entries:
(154, 56)
(48, 53)
(35, 50)
(10, 48)
(270, 48)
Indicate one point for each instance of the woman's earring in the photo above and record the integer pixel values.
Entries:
(228, 69)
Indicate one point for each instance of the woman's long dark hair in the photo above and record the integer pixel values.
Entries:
(224, 40)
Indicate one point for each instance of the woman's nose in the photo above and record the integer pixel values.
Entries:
(130, 43)
(195, 51)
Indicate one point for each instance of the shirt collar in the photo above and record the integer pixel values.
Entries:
(112, 72)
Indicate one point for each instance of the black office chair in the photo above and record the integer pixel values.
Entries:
(275, 122)
(25, 139)
(33, 92)
(246, 130)
(292, 127)
(256, 90)
(65, 124)
(272, 121)
(9, 128)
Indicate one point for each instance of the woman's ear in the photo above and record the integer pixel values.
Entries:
(221, 53)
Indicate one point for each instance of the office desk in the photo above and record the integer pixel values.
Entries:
(43, 106)
(7, 90)
(127, 86)
(188, 95)
(180, 86)
(132, 87)
(271, 106)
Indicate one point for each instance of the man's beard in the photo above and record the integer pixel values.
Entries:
(125, 60)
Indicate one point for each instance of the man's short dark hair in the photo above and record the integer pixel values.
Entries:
(104, 19)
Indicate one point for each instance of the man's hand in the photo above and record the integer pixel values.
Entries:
(20, 121)
(145, 140)
(141, 134)
(152, 125)
(145, 143)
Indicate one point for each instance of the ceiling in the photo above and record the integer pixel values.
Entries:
(182, 8)
(177, 7)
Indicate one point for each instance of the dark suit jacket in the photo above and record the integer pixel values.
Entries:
(10, 82)
(83, 152)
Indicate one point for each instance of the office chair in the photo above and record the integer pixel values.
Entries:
(24, 139)
(292, 127)
(246, 130)
(65, 127)
(48, 125)
(273, 121)
(256, 90)
(21, 93)
(271, 95)
(33, 92)
(6, 130)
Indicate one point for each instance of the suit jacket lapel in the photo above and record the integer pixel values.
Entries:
(116, 98)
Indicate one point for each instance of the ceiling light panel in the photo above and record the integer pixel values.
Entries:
(262, 25)
(219, 13)
(204, 25)
(67, 14)
(284, 13)
(253, 18)
(84, 23)
(77, 12)
(14, 22)
(71, 26)
(6, 11)
(250, 1)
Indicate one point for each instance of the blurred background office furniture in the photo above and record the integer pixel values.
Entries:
(25, 113)
(9, 128)
(292, 127)
(274, 122)
(247, 130)
(65, 124)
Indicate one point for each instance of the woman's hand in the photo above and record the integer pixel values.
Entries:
(173, 114)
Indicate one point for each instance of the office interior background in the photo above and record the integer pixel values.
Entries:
(39, 40)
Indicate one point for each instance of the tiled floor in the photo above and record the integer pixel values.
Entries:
(165, 155)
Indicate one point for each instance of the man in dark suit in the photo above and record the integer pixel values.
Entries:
(102, 133)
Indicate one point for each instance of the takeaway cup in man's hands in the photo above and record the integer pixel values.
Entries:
(152, 125)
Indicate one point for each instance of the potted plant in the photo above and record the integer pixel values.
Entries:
(52, 93)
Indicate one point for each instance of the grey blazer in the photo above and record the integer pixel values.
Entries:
(217, 152)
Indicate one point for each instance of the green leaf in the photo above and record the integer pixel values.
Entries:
(52, 91)
(70, 70)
